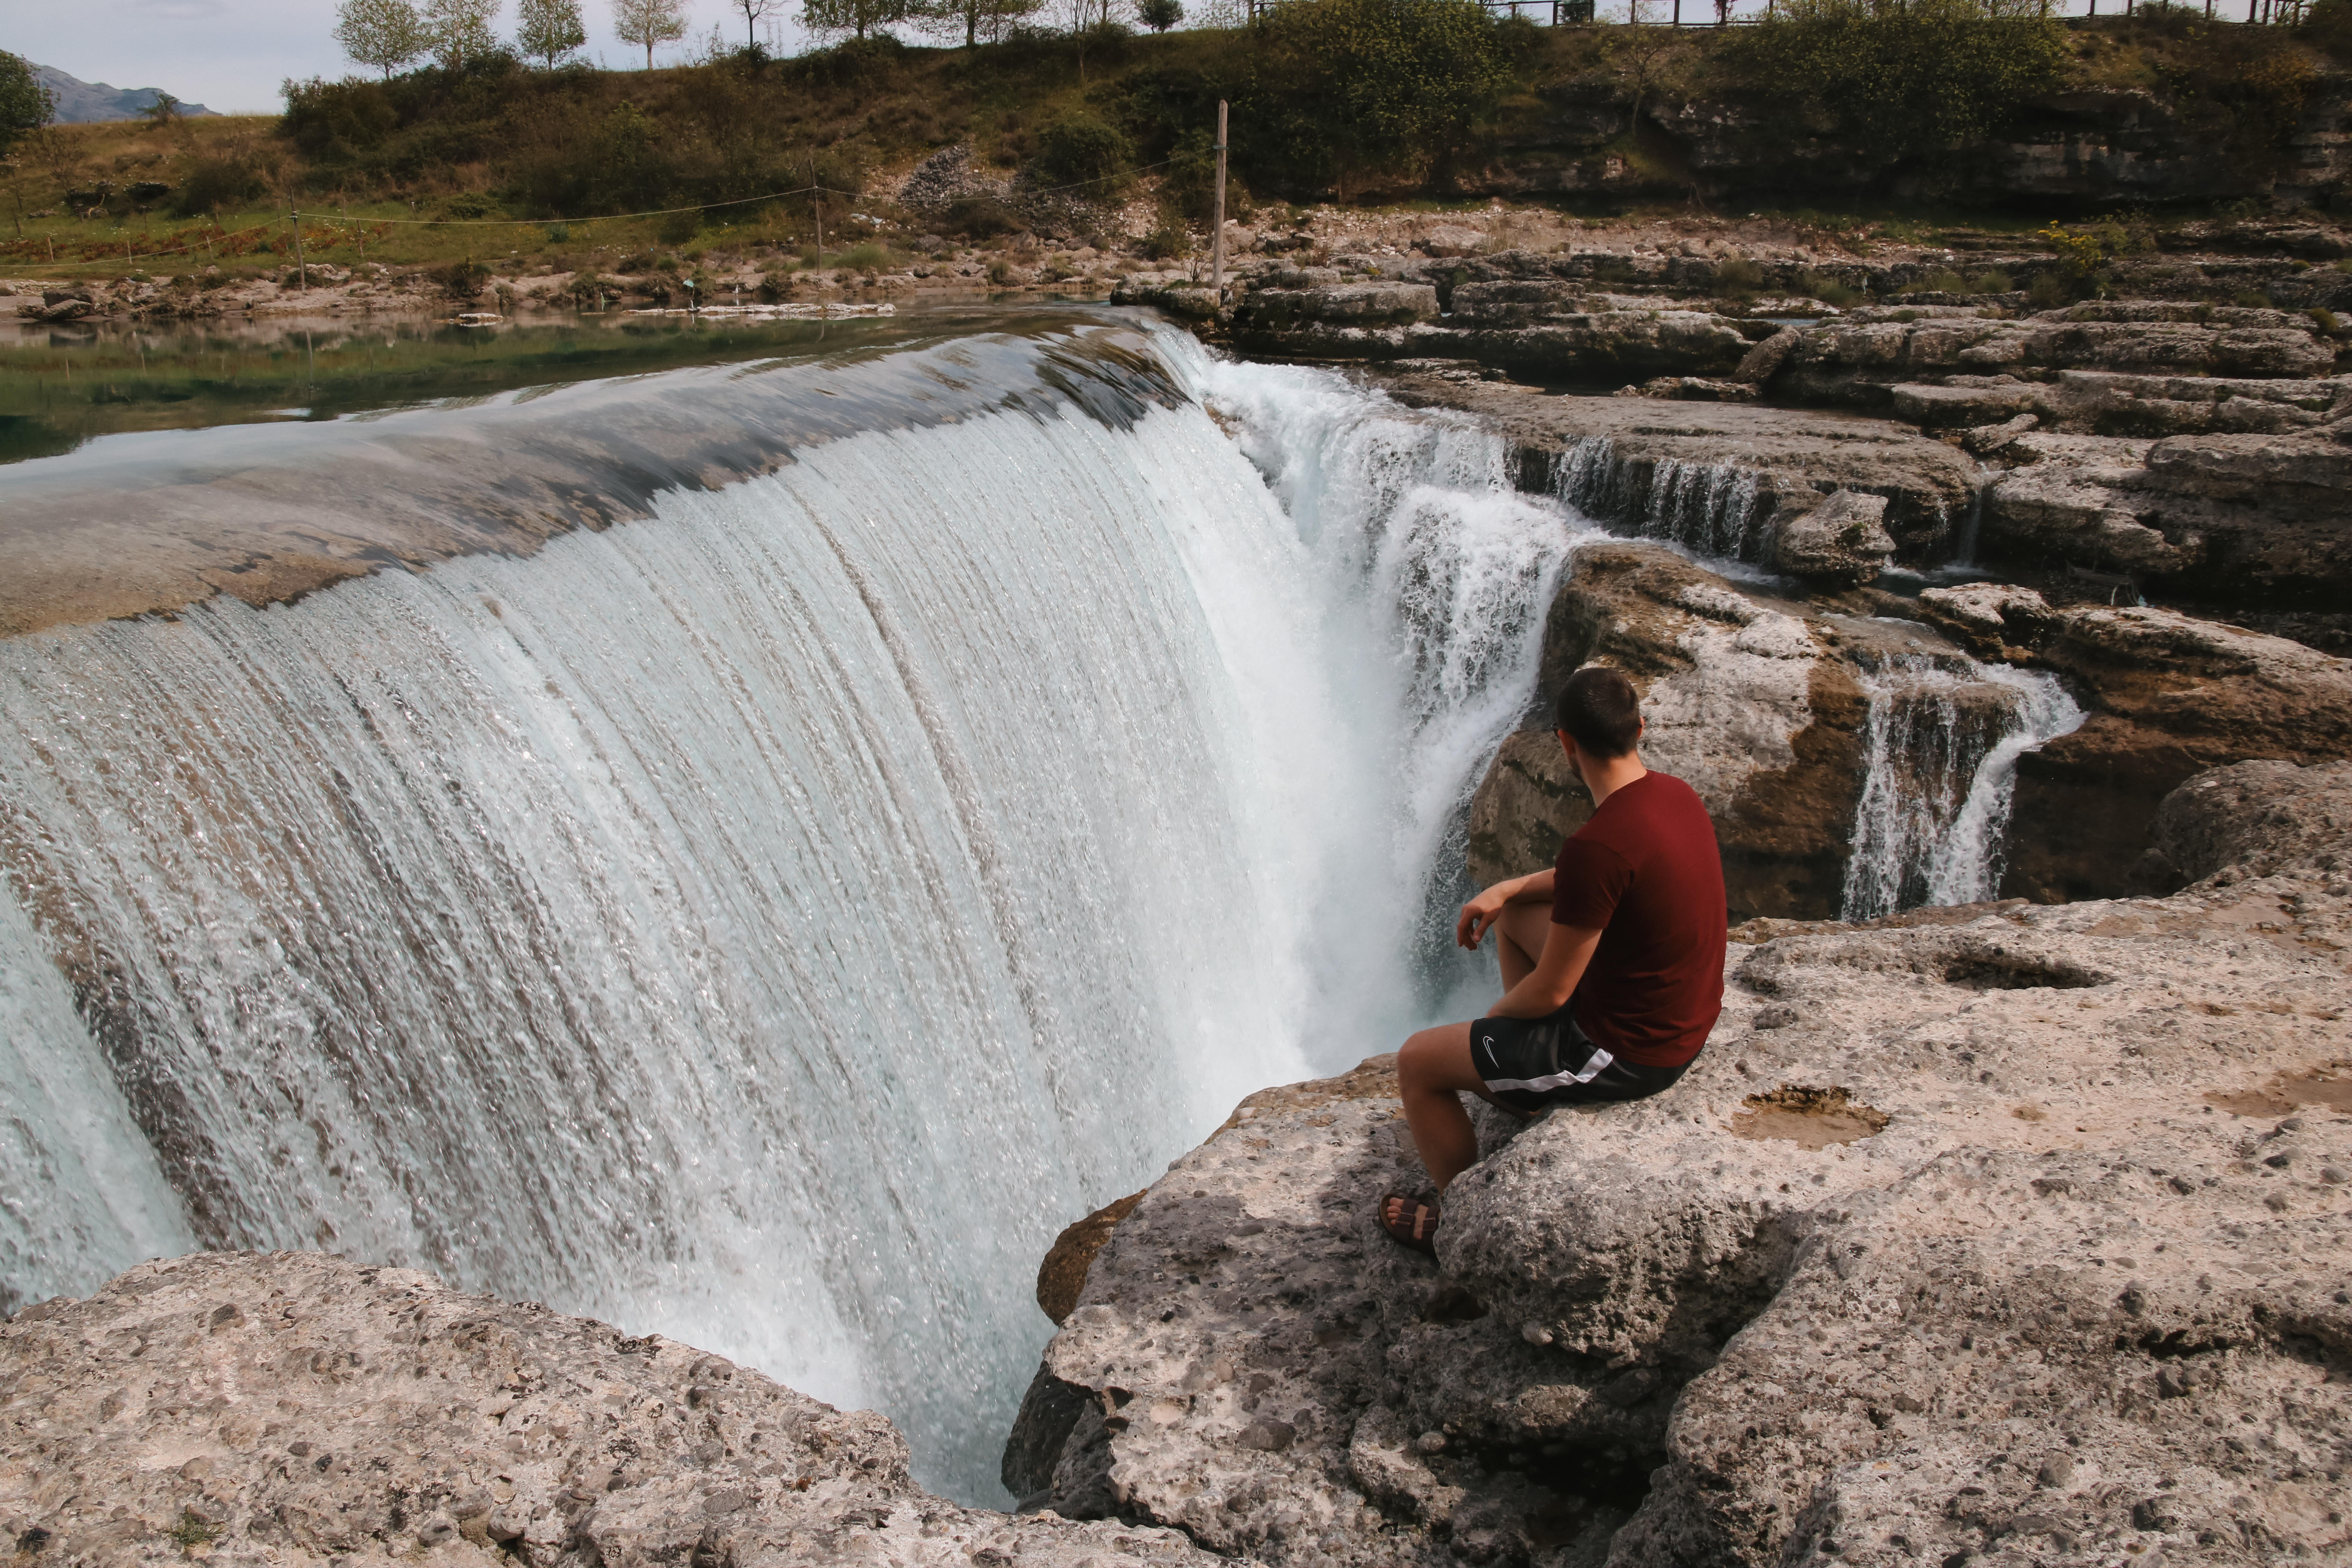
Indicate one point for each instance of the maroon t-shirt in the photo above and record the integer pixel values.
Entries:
(1645, 871)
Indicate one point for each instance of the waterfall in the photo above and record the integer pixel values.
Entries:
(1709, 509)
(1941, 743)
(1445, 573)
(767, 922)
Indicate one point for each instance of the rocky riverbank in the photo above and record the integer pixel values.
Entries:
(2159, 442)
(2003, 1234)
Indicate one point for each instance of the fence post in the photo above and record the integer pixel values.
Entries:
(301, 268)
(1217, 240)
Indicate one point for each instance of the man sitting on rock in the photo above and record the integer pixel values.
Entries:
(1613, 960)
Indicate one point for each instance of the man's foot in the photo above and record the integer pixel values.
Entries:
(1411, 1221)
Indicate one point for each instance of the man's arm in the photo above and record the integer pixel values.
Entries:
(1480, 913)
(1547, 986)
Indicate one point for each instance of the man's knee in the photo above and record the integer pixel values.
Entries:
(1437, 1059)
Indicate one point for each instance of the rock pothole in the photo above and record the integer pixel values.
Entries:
(1809, 1117)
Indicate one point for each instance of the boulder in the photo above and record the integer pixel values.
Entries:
(2252, 819)
(2014, 1232)
(291, 1408)
(1841, 543)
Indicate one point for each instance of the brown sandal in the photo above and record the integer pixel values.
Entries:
(1414, 1223)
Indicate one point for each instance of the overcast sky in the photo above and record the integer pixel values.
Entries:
(230, 55)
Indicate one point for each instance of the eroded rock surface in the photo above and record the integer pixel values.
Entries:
(2076, 1290)
(288, 1408)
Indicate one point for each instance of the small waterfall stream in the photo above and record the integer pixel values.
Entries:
(1941, 745)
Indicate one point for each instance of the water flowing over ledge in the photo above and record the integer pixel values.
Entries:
(768, 921)
(140, 523)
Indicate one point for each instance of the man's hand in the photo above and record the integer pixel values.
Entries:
(1479, 915)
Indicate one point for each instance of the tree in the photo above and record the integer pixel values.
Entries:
(649, 22)
(385, 34)
(857, 17)
(26, 105)
(161, 114)
(981, 21)
(548, 30)
(752, 11)
(459, 30)
(1363, 86)
(1160, 14)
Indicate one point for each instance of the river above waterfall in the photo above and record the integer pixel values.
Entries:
(746, 848)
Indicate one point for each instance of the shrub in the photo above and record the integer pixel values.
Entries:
(1165, 243)
(1000, 273)
(470, 205)
(2050, 290)
(1994, 281)
(1829, 290)
(2324, 322)
(677, 228)
(218, 184)
(866, 257)
(2253, 299)
(1927, 77)
(1942, 281)
(462, 280)
(978, 217)
(1078, 147)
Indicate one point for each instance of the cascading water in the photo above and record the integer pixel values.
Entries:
(1941, 745)
(1710, 509)
(764, 923)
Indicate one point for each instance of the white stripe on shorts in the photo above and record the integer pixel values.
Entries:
(1586, 1074)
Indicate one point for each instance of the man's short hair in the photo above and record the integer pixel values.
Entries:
(1601, 711)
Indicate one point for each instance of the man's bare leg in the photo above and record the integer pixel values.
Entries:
(1432, 1071)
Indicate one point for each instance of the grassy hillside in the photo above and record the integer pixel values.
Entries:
(1368, 101)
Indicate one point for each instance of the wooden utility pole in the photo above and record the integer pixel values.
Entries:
(1217, 239)
(301, 268)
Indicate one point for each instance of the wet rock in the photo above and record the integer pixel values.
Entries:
(309, 1410)
(2055, 1296)
(1842, 542)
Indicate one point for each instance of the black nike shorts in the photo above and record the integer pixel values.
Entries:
(1528, 1064)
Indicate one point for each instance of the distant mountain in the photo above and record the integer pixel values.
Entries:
(80, 103)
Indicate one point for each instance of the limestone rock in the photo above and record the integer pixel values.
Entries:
(1710, 475)
(2253, 819)
(1842, 542)
(2072, 1290)
(291, 1408)
(1356, 304)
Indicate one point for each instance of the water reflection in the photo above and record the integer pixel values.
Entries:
(61, 385)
